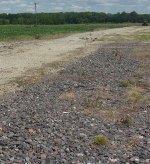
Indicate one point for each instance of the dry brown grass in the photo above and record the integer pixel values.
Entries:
(67, 96)
(94, 99)
(132, 142)
(102, 91)
(112, 116)
(93, 102)
(134, 94)
(141, 54)
(128, 110)
(116, 116)
(125, 120)
(106, 115)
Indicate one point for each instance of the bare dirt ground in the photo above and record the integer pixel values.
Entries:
(25, 61)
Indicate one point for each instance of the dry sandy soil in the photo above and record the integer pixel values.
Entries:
(26, 61)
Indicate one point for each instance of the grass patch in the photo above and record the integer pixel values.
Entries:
(124, 83)
(67, 96)
(92, 102)
(134, 95)
(133, 142)
(142, 53)
(101, 140)
(8, 32)
(143, 36)
(94, 99)
(32, 76)
(23, 81)
(126, 120)
(110, 115)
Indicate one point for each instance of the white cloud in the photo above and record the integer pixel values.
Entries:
(15, 6)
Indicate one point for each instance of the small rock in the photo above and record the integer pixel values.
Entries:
(113, 160)
(80, 154)
(82, 135)
(12, 159)
(64, 161)
(27, 159)
(43, 156)
(65, 112)
(135, 159)
(67, 150)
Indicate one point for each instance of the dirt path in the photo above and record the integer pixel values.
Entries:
(22, 58)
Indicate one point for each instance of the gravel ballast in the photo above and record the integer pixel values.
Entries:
(57, 119)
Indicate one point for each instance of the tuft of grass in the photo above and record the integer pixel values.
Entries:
(101, 140)
(135, 94)
(126, 120)
(124, 83)
(37, 36)
(110, 115)
(67, 96)
(92, 102)
(133, 142)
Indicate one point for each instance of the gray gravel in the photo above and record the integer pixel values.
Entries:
(36, 126)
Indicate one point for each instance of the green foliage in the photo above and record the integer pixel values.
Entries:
(101, 140)
(28, 31)
(72, 18)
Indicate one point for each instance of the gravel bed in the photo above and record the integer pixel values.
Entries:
(57, 119)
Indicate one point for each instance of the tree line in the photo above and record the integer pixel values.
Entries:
(72, 18)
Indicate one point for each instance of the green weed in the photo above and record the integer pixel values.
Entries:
(101, 140)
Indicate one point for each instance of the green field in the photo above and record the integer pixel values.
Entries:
(8, 32)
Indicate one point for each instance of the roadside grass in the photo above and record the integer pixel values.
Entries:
(93, 102)
(134, 94)
(124, 83)
(94, 99)
(101, 140)
(143, 36)
(110, 115)
(67, 96)
(126, 120)
(142, 54)
(116, 38)
(126, 37)
(32, 76)
(132, 142)
(21, 32)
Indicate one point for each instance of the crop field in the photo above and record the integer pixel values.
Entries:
(9, 32)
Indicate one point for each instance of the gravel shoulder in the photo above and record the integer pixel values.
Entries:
(58, 119)
(25, 61)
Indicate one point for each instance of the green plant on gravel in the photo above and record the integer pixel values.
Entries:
(124, 83)
(101, 140)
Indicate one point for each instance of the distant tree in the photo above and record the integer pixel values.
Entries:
(73, 18)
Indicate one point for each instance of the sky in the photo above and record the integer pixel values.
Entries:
(107, 6)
